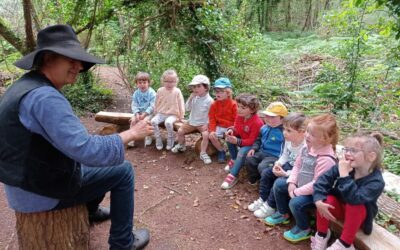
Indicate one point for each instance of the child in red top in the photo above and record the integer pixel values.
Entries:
(222, 114)
(242, 135)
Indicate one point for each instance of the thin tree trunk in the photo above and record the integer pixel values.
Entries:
(38, 25)
(327, 4)
(288, 16)
(307, 22)
(30, 40)
(269, 16)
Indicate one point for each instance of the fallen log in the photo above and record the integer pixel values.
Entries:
(113, 117)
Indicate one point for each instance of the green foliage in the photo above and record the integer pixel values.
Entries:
(385, 221)
(86, 96)
(392, 161)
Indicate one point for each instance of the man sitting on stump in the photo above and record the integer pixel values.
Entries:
(48, 160)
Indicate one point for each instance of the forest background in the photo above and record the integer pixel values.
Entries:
(314, 55)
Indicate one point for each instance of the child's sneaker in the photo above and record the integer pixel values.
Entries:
(221, 156)
(295, 234)
(229, 182)
(337, 245)
(159, 143)
(170, 143)
(229, 166)
(264, 211)
(147, 141)
(319, 243)
(205, 158)
(131, 144)
(178, 148)
(275, 219)
(255, 205)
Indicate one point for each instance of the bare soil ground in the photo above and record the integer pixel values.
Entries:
(177, 197)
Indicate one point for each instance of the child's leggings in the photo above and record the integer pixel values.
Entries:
(169, 124)
(352, 215)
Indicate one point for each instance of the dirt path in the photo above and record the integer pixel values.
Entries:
(179, 199)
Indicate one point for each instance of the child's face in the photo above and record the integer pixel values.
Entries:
(244, 111)
(272, 121)
(220, 94)
(169, 82)
(142, 84)
(292, 134)
(354, 153)
(199, 90)
(314, 137)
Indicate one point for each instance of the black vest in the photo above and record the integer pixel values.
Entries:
(28, 160)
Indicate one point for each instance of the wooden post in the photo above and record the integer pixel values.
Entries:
(61, 229)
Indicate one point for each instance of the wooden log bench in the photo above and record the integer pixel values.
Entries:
(60, 229)
(120, 122)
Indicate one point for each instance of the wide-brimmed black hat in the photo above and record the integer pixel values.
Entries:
(60, 39)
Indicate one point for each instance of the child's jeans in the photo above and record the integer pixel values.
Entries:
(266, 183)
(257, 163)
(352, 215)
(298, 205)
(169, 124)
(238, 156)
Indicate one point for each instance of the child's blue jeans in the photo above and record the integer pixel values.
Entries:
(266, 183)
(298, 206)
(239, 156)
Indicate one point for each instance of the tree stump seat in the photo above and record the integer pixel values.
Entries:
(60, 229)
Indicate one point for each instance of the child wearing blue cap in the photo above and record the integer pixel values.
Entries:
(222, 115)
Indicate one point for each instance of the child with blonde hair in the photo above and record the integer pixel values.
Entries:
(222, 115)
(169, 108)
(294, 194)
(350, 192)
(242, 135)
(294, 127)
(198, 104)
(143, 100)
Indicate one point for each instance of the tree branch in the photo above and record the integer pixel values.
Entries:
(11, 37)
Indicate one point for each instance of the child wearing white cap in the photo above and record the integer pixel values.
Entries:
(198, 104)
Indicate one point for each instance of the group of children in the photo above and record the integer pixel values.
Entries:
(292, 157)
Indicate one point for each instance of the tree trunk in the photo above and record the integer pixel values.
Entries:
(288, 14)
(30, 40)
(307, 22)
(61, 229)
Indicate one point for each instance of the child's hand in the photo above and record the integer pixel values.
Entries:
(278, 170)
(291, 188)
(323, 209)
(204, 127)
(142, 116)
(229, 132)
(250, 153)
(344, 167)
(231, 139)
(212, 136)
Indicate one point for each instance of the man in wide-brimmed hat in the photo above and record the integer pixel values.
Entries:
(47, 158)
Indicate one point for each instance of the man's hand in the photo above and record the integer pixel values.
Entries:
(323, 209)
(138, 131)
